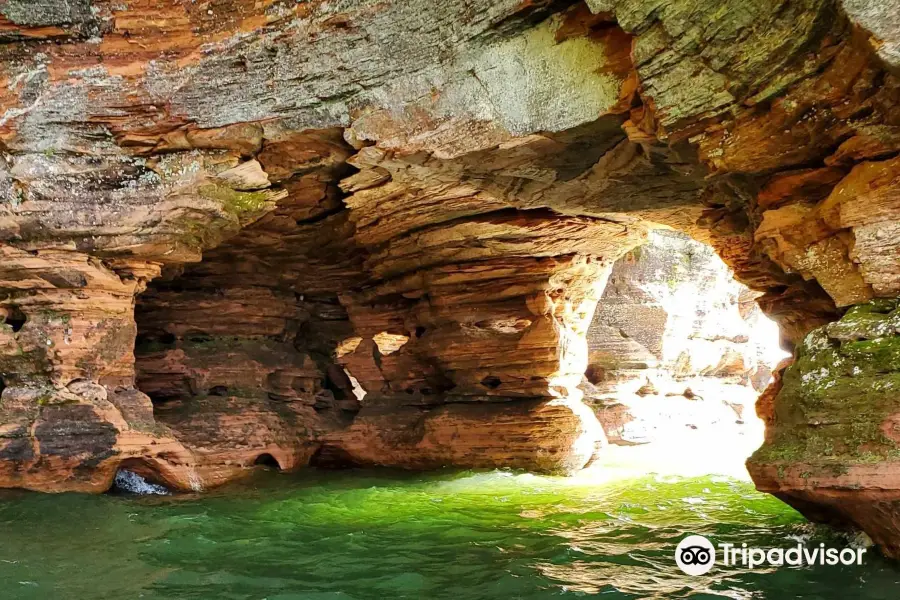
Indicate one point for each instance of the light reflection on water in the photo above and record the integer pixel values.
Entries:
(398, 535)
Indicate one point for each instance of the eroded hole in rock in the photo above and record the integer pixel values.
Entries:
(268, 461)
(678, 355)
(198, 337)
(13, 317)
(137, 477)
(332, 457)
(491, 382)
(388, 343)
(147, 342)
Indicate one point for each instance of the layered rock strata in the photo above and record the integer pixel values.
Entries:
(831, 441)
(374, 233)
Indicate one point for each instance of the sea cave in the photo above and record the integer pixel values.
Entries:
(357, 299)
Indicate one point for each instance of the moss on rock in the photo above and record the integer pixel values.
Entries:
(237, 203)
(841, 392)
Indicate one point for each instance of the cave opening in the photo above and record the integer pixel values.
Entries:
(14, 317)
(268, 461)
(678, 353)
(136, 476)
(491, 382)
(242, 362)
(238, 349)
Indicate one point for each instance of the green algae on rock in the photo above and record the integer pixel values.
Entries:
(833, 441)
(838, 399)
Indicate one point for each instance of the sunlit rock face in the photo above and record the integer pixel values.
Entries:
(678, 350)
(376, 233)
(675, 298)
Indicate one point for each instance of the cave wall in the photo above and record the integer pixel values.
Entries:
(305, 186)
(832, 429)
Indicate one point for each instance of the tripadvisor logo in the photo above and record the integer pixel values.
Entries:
(696, 555)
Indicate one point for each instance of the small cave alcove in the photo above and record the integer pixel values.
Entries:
(267, 461)
(136, 476)
(14, 317)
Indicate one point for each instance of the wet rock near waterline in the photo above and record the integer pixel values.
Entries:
(831, 441)
(545, 436)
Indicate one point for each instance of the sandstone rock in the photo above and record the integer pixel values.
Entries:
(831, 442)
(551, 436)
(460, 176)
(676, 303)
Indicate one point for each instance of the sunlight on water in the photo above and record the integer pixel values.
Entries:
(379, 535)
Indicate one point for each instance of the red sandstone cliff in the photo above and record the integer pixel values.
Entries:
(377, 234)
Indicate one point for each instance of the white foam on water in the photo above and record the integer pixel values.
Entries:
(131, 482)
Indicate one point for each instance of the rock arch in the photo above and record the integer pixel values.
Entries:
(267, 460)
(470, 201)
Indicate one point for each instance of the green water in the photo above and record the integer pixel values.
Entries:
(347, 535)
